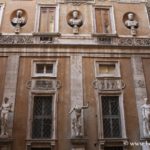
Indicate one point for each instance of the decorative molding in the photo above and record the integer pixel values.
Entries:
(43, 84)
(101, 41)
(109, 84)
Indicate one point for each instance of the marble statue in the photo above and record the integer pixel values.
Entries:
(76, 121)
(131, 23)
(5, 110)
(75, 22)
(18, 21)
(145, 108)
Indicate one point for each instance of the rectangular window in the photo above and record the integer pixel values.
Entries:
(103, 23)
(42, 117)
(113, 148)
(45, 68)
(47, 20)
(111, 117)
(107, 69)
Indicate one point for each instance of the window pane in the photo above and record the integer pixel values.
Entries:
(103, 24)
(107, 68)
(42, 117)
(39, 68)
(49, 68)
(111, 116)
(47, 20)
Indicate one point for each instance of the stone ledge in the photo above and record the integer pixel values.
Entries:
(79, 140)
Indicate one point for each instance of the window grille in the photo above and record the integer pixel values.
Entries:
(111, 117)
(113, 148)
(42, 117)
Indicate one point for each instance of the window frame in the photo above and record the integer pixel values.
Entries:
(100, 115)
(42, 115)
(117, 68)
(34, 65)
(112, 19)
(37, 18)
(30, 115)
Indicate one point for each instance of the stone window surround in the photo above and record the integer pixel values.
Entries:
(1, 12)
(45, 61)
(112, 18)
(100, 119)
(44, 142)
(117, 68)
(37, 18)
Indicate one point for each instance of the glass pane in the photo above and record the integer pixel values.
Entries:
(39, 68)
(49, 68)
(107, 68)
(107, 127)
(47, 19)
(103, 24)
(111, 116)
(42, 117)
(51, 21)
(43, 20)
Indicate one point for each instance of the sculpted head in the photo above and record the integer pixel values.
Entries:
(131, 16)
(75, 14)
(19, 13)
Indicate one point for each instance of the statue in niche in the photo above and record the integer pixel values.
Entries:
(5, 110)
(75, 22)
(76, 121)
(131, 23)
(145, 108)
(18, 21)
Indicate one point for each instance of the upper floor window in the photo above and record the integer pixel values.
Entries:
(107, 69)
(42, 117)
(111, 116)
(47, 19)
(104, 20)
(45, 68)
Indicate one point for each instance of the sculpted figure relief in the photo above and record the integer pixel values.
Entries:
(75, 22)
(5, 110)
(131, 23)
(145, 108)
(18, 21)
(76, 121)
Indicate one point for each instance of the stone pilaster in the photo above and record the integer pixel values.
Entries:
(11, 85)
(77, 98)
(140, 90)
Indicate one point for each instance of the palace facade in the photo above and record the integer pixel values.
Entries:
(76, 74)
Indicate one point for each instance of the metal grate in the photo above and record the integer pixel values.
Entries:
(113, 148)
(42, 117)
(111, 116)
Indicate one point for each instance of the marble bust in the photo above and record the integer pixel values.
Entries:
(75, 22)
(131, 23)
(18, 21)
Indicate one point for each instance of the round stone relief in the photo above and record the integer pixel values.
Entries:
(75, 20)
(131, 22)
(18, 19)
